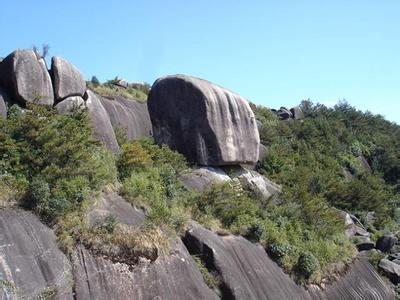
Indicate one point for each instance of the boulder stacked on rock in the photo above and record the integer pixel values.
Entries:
(67, 79)
(208, 124)
(26, 79)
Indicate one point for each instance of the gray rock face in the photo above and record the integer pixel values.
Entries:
(297, 113)
(391, 269)
(175, 277)
(208, 124)
(30, 259)
(263, 152)
(130, 115)
(69, 104)
(25, 78)
(103, 129)
(364, 243)
(203, 178)
(255, 182)
(248, 273)
(386, 242)
(111, 204)
(67, 79)
(284, 114)
(3, 101)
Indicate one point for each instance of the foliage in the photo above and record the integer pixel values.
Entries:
(211, 278)
(307, 264)
(51, 160)
(110, 90)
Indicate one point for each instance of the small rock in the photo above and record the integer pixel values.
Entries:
(69, 104)
(391, 269)
(386, 242)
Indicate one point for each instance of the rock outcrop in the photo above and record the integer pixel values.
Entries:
(174, 277)
(386, 242)
(111, 204)
(391, 269)
(103, 129)
(248, 273)
(297, 113)
(208, 124)
(25, 78)
(31, 265)
(128, 115)
(74, 102)
(3, 101)
(203, 178)
(68, 81)
(259, 185)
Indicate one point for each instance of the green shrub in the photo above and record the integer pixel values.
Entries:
(307, 264)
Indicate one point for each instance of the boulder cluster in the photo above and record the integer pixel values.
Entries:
(286, 114)
(24, 78)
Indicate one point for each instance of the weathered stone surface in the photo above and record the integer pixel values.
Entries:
(112, 204)
(391, 269)
(175, 277)
(208, 124)
(69, 104)
(297, 113)
(68, 81)
(3, 101)
(284, 114)
(25, 78)
(364, 163)
(364, 243)
(203, 178)
(255, 182)
(263, 152)
(248, 273)
(30, 258)
(386, 242)
(103, 129)
(128, 115)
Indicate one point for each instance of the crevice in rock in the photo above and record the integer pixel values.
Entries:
(205, 253)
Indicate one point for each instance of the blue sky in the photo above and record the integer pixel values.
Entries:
(272, 52)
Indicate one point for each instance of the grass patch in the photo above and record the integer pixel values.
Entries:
(211, 278)
(110, 91)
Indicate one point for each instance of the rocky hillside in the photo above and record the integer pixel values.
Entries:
(106, 197)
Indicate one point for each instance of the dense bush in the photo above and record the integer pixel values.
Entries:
(307, 264)
(51, 160)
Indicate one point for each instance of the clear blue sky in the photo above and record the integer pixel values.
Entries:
(272, 52)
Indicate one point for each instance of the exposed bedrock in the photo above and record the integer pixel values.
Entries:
(31, 265)
(247, 272)
(69, 104)
(202, 179)
(25, 78)
(128, 115)
(175, 277)
(67, 79)
(207, 123)
(103, 129)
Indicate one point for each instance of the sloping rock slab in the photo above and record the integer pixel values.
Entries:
(30, 259)
(103, 129)
(175, 277)
(68, 81)
(207, 123)
(67, 105)
(130, 115)
(203, 178)
(25, 77)
(248, 273)
(112, 204)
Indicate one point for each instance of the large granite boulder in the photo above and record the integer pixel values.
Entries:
(128, 115)
(207, 123)
(247, 272)
(203, 178)
(391, 269)
(173, 277)
(67, 79)
(3, 101)
(386, 242)
(25, 78)
(103, 129)
(297, 113)
(69, 104)
(31, 265)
